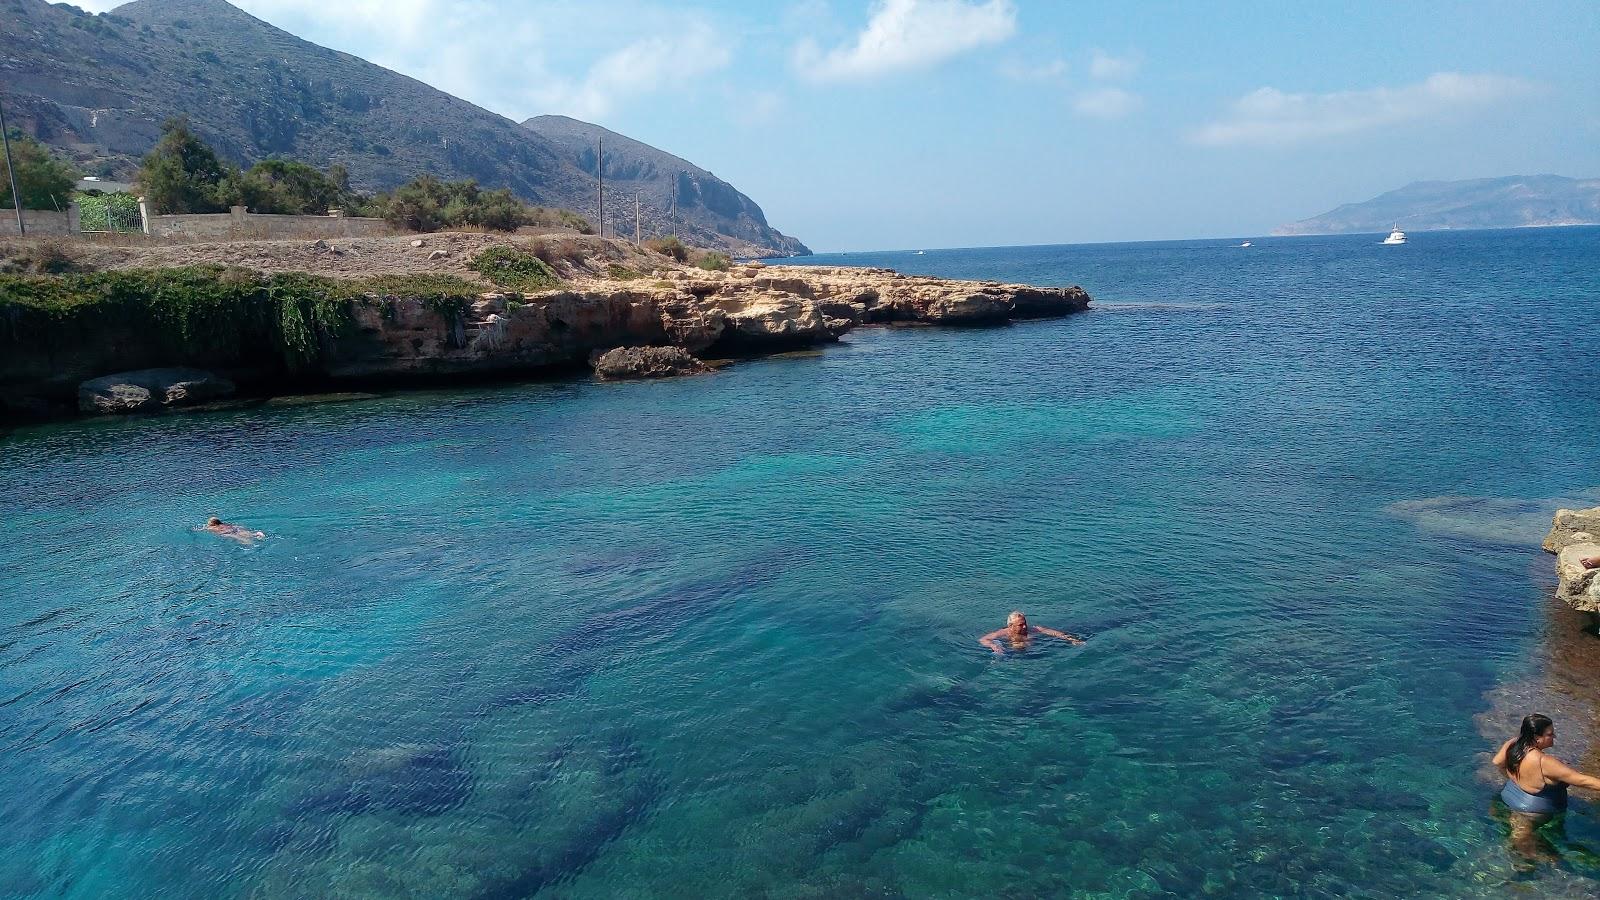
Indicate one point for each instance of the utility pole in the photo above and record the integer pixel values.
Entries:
(637, 240)
(16, 195)
(600, 199)
(674, 215)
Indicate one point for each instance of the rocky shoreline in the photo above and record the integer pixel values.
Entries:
(1574, 536)
(749, 310)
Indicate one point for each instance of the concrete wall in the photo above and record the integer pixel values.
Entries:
(41, 221)
(242, 225)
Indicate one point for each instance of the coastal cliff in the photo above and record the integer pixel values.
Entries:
(275, 329)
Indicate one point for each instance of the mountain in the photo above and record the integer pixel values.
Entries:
(99, 86)
(669, 188)
(1511, 202)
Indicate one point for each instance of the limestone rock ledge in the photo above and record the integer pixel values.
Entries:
(149, 390)
(1574, 536)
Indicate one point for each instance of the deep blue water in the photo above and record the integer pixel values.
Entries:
(717, 636)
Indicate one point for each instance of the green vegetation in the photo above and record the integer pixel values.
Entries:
(182, 174)
(200, 313)
(713, 261)
(516, 269)
(45, 182)
(668, 246)
(108, 212)
(428, 204)
(622, 273)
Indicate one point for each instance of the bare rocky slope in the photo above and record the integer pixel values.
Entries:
(612, 295)
(98, 87)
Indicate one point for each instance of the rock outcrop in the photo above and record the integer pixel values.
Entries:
(632, 363)
(747, 311)
(150, 390)
(1575, 536)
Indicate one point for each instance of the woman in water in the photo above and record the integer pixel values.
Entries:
(1536, 782)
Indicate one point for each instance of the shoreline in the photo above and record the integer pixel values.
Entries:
(148, 329)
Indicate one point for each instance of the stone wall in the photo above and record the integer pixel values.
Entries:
(241, 225)
(41, 221)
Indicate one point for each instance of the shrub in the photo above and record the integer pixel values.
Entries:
(284, 187)
(713, 261)
(668, 246)
(622, 273)
(512, 268)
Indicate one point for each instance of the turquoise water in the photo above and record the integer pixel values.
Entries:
(717, 636)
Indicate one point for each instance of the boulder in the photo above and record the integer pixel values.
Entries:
(148, 390)
(627, 363)
(1573, 538)
(770, 320)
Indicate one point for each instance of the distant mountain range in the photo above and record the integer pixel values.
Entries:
(99, 86)
(1512, 202)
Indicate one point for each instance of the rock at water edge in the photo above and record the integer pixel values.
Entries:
(627, 363)
(148, 390)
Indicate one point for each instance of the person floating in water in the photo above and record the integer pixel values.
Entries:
(237, 532)
(1019, 632)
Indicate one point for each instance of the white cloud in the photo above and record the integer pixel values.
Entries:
(642, 67)
(910, 34)
(1017, 70)
(1106, 102)
(1105, 67)
(1269, 116)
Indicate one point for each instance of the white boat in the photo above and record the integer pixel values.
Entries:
(1396, 236)
(1245, 244)
(919, 252)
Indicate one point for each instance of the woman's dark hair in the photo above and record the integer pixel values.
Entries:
(1532, 728)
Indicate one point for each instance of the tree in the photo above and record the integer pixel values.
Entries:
(183, 174)
(285, 188)
(45, 182)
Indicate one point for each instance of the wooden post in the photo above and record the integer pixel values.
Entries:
(600, 199)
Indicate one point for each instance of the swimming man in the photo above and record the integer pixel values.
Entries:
(237, 532)
(1019, 632)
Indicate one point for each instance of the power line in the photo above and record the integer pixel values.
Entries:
(16, 195)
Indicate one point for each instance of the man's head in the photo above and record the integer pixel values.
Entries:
(1016, 620)
(213, 522)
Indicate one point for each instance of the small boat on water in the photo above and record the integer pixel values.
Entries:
(1245, 244)
(919, 252)
(1396, 236)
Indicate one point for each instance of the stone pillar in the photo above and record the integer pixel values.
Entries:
(74, 219)
(238, 213)
(144, 216)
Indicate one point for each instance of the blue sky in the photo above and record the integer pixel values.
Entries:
(863, 124)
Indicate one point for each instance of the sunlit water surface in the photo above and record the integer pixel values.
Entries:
(716, 637)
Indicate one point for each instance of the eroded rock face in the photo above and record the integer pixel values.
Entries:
(630, 363)
(150, 390)
(1575, 536)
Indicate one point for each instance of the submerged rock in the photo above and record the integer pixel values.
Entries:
(1575, 536)
(625, 363)
(149, 390)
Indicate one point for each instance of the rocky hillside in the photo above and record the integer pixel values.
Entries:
(99, 86)
(674, 193)
(1512, 202)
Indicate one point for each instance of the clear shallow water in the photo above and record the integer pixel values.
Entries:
(716, 636)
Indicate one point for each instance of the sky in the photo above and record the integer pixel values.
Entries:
(888, 124)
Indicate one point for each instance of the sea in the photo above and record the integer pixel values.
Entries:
(718, 636)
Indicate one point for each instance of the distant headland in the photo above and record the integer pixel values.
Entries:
(1515, 201)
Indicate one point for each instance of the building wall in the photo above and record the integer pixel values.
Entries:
(241, 225)
(41, 221)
